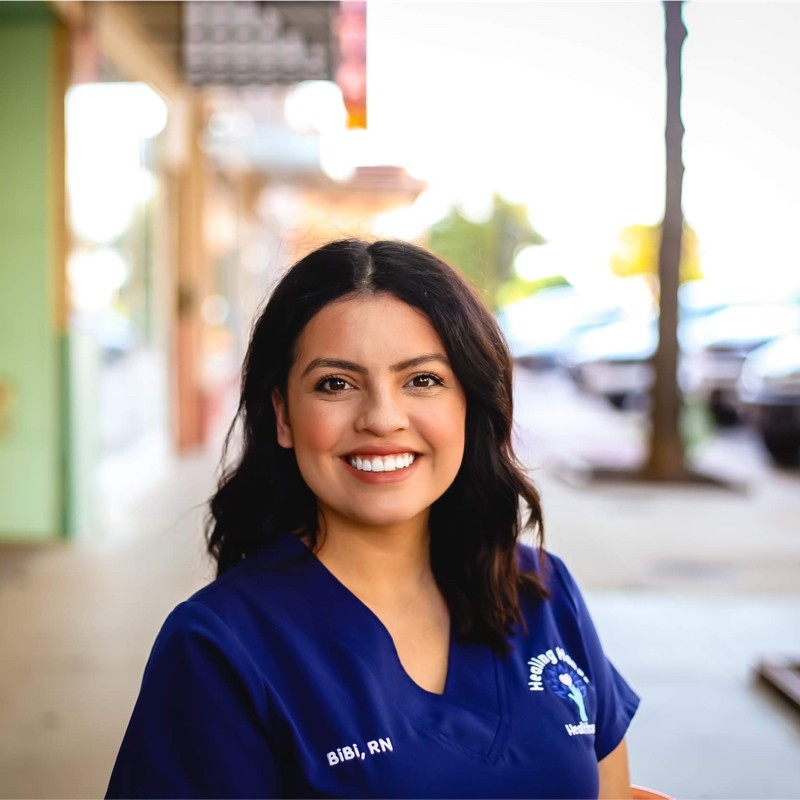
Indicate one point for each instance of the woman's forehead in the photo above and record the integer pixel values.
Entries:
(373, 326)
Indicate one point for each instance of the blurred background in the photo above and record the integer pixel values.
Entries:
(161, 164)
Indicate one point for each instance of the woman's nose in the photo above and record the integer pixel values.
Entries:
(382, 413)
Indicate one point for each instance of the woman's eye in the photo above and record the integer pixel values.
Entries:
(425, 381)
(332, 385)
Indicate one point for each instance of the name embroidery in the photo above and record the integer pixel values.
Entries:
(351, 752)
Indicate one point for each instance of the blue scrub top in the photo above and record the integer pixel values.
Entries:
(276, 681)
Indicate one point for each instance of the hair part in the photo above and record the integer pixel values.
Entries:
(475, 526)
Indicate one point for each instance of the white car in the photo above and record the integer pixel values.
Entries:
(722, 341)
(541, 327)
(614, 361)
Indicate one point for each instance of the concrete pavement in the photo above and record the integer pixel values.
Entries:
(689, 586)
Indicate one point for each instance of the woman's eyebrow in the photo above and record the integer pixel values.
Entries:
(337, 363)
(332, 363)
(417, 360)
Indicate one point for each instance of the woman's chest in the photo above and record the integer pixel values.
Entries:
(422, 643)
(350, 722)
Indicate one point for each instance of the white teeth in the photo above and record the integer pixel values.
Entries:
(378, 464)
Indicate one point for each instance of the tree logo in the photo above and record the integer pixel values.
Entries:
(557, 671)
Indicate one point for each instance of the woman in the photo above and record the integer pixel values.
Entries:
(376, 629)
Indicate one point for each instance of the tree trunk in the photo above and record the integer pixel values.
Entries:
(665, 459)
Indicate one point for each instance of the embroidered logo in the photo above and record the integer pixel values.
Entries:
(557, 671)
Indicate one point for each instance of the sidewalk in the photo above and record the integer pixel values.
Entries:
(689, 586)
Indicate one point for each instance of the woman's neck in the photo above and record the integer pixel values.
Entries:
(378, 564)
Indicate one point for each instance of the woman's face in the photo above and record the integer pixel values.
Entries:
(373, 411)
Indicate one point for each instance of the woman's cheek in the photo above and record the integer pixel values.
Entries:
(329, 424)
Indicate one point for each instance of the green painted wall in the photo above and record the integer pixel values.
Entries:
(32, 471)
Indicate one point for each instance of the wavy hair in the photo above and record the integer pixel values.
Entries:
(475, 525)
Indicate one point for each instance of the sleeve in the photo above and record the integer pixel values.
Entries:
(616, 701)
(197, 729)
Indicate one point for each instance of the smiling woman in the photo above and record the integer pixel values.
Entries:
(376, 628)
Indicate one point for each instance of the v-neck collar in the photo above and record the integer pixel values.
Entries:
(466, 716)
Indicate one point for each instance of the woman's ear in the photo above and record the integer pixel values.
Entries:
(283, 428)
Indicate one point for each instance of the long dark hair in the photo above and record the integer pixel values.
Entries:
(475, 525)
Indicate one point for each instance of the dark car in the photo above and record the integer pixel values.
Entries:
(769, 391)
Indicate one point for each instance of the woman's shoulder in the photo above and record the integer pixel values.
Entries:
(552, 571)
(260, 581)
(538, 559)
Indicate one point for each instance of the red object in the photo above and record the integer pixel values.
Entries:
(351, 75)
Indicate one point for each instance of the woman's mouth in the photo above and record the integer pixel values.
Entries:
(390, 463)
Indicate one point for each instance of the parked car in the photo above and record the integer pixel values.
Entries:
(614, 361)
(539, 328)
(701, 298)
(769, 392)
(721, 343)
